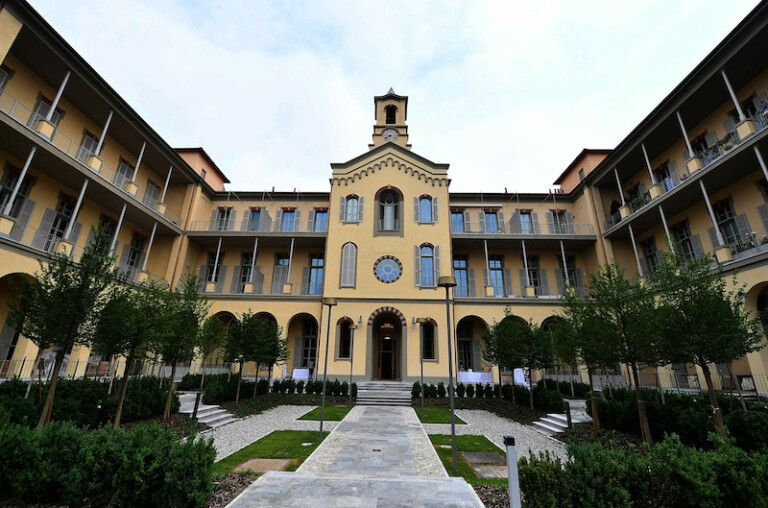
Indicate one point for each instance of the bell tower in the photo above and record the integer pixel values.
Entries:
(391, 112)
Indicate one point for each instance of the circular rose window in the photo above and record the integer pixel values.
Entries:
(387, 269)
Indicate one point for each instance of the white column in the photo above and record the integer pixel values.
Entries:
(117, 230)
(16, 187)
(525, 264)
(138, 161)
(103, 133)
(487, 262)
(76, 210)
(253, 258)
(634, 248)
(149, 247)
(685, 134)
(666, 229)
(720, 240)
(565, 266)
(215, 277)
(290, 262)
(618, 184)
(56, 100)
(761, 162)
(733, 97)
(648, 164)
(165, 187)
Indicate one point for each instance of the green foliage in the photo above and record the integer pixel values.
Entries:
(354, 389)
(542, 480)
(470, 391)
(479, 390)
(300, 386)
(441, 389)
(488, 391)
(335, 387)
(344, 388)
(461, 389)
(290, 385)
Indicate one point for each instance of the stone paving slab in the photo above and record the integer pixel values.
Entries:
(486, 471)
(483, 458)
(262, 465)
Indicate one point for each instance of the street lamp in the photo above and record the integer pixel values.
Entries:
(421, 322)
(352, 329)
(447, 282)
(330, 302)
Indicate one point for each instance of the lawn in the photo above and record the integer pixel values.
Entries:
(280, 444)
(437, 415)
(332, 413)
(466, 444)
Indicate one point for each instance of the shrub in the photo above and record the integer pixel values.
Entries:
(277, 386)
(547, 400)
(416, 390)
(344, 388)
(470, 391)
(488, 391)
(262, 386)
(460, 389)
(479, 390)
(441, 390)
(749, 430)
(431, 391)
(335, 387)
(318, 387)
(300, 386)
(542, 481)
(290, 386)
(354, 389)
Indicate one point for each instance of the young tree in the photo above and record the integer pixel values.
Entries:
(533, 346)
(241, 346)
(269, 346)
(703, 322)
(212, 336)
(564, 348)
(60, 307)
(498, 348)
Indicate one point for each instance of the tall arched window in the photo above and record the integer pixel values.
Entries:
(348, 265)
(351, 209)
(427, 266)
(391, 112)
(389, 215)
(345, 338)
(428, 346)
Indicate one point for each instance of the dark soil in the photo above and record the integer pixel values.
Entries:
(585, 433)
(227, 487)
(252, 406)
(492, 496)
(181, 425)
(499, 407)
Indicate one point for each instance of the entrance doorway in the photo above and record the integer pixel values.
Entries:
(386, 353)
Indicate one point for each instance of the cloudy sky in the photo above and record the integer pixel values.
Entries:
(505, 92)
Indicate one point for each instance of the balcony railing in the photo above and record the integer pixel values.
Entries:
(510, 228)
(245, 226)
(510, 292)
(638, 202)
(756, 243)
(25, 117)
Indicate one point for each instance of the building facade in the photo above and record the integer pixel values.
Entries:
(74, 155)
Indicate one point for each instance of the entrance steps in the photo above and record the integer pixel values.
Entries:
(210, 415)
(383, 393)
(555, 423)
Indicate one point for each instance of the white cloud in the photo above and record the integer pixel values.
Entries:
(506, 92)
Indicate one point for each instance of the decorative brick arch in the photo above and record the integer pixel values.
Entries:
(388, 310)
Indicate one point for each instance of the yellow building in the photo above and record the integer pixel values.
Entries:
(74, 154)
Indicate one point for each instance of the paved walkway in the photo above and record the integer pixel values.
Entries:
(377, 456)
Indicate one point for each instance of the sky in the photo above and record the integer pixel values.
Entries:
(507, 93)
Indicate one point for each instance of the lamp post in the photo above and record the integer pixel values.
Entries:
(330, 302)
(447, 282)
(352, 329)
(421, 322)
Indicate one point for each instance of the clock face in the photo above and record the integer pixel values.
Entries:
(387, 269)
(390, 135)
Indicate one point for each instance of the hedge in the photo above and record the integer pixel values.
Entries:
(218, 389)
(543, 399)
(62, 463)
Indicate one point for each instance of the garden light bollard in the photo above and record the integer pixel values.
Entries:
(568, 413)
(197, 404)
(514, 482)
(330, 302)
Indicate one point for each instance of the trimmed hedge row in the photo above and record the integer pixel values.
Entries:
(688, 417)
(580, 390)
(85, 402)
(62, 463)
(667, 474)
(543, 399)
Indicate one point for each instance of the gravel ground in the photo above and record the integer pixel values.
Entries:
(494, 428)
(231, 437)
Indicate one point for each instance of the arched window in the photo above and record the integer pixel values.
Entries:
(345, 338)
(425, 209)
(351, 209)
(391, 112)
(427, 266)
(348, 265)
(389, 213)
(428, 346)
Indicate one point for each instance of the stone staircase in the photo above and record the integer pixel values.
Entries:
(384, 393)
(554, 423)
(212, 416)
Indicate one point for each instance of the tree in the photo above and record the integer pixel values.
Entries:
(126, 327)
(241, 344)
(564, 347)
(212, 335)
(498, 348)
(703, 322)
(269, 346)
(533, 346)
(625, 312)
(60, 307)
(182, 310)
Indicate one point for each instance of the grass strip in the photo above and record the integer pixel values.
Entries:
(332, 413)
(280, 444)
(467, 443)
(437, 415)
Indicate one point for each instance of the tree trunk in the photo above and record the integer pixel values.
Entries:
(660, 389)
(738, 389)
(513, 386)
(256, 381)
(595, 416)
(499, 382)
(269, 378)
(573, 393)
(202, 379)
(239, 378)
(112, 372)
(31, 378)
(530, 396)
(123, 389)
(645, 429)
(530, 388)
(716, 416)
(167, 413)
(45, 415)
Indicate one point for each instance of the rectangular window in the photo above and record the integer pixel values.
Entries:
(425, 210)
(461, 274)
(5, 74)
(682, 236)
(491, 222)
(726, 221)
(649, 253)
(286, 225)
(63, 215)
(123, 174)
(222, 219)
(152, 194)
(427, 267)
(533, 273)
(42, 107)
(428, 352)
(345, 339)
(526, 222)
(559, 222)
(570, 269)
(135, 250)
(6, 190)
(280, 274)
(496, 275)
(308, 343)
(581, 174)
(245, 271)
(457, 221)
(315, 275)
(211, 275)
(255, 217)
(321, 221)
(87, 147)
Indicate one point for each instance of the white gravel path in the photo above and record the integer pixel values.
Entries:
(493, 427)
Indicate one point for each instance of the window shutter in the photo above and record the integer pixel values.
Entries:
(265, 220)
(515, 226)
(17, 233)
(214, 224)
(235, 287)
(760, 101)
(535, 222)
(696, 244)
(258, 281)
(278, 220)
(220, 279)
(311, 221)
(711, 138)
(417, 265)
(6, 339)
(729, 124)
(436, 263)
(232, 220)
(245, 225)
(486, 278)
(523, 281)
(544, 290)
(91, 236)
(569, 226)
(278, 279)
(472, 290)
(744, 232)
(305, 280)
(297, 221)
(41, 237)
(481, 222)
(434, 210)
(551, 229)
(467, 222)
(203, 277)
(75, 234)
(477, 356)
(686, 155)
(342, 209)
(559, 280)
(360, 209)
(297, 351)
(580, 282)
(500, 221)
(508, 283)
(763, 210)
(713, 238)
(416, 210)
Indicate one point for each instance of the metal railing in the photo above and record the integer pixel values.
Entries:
(612, 220)
(265, 226)
(510, 228)
(637, 203)
(516, 292)
(756, 243)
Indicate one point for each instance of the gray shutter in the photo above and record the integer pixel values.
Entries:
(297, 351)
(477, 356)
(486, 279)
(436, 263)
(297, 221)
(713, 238)
(515, 226)
(221, 278)
(44, 230)
(544, 283)
(17, 233)
(711, 138)
(523, 281)
(417, 265)
(551, 223)
(258, 281)
(559, 280)
(245, 225)
(278, 219)
(744, 232)
(729, 124)
(416, 210)
(569, 226)
(342, 209)
(472, 290)
(6, 339)
(360, 209)
(75, 234)
(467, 221)
(686, 155)
(641, 189)
(232, 220)
(311, 221)
(508, 282)
(481, 222)
(277, 280)
(759, 101)
(434, 209)
(696, 244)
(123, 263)
(305, 280)
(265, 220)
(235, 287)
(763, 210)
(203, 277)
(500, 220)
(535, 222)
(214, 224)
(580, 290)
(91, 236)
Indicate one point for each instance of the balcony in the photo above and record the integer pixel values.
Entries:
(257, 286)
(268, 227)
(548, 292)
(513, 229)
(79, 155)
